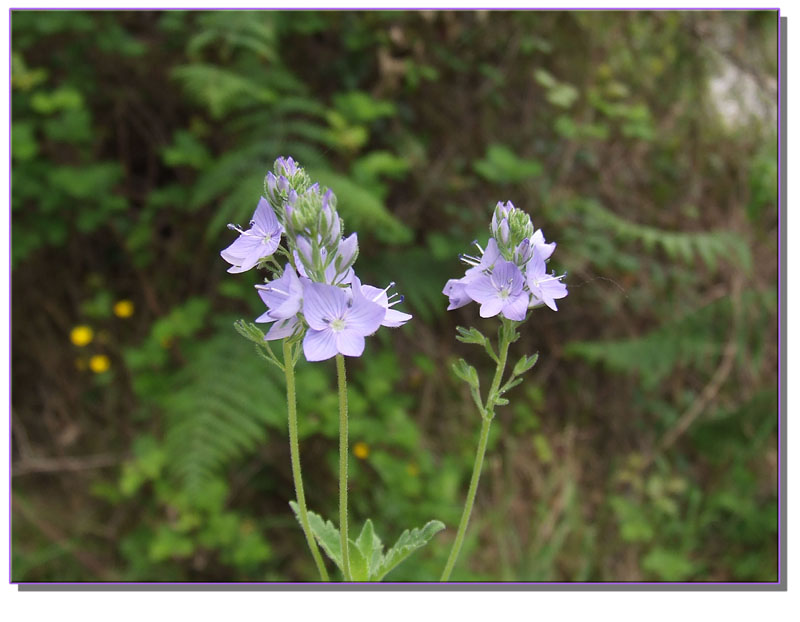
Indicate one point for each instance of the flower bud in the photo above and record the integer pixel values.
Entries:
(346, 253)
(510, 226)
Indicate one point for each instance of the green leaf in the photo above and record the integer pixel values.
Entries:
(525, 363)
(501, 165)
(471, 335)
(326, 534)
(407, 543)
(371, 548)
(359, 565)
(466, 372)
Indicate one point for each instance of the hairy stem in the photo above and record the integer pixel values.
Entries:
(294, 450)
(487, 414)
(342, 380)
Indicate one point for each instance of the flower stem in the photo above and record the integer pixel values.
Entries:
(294, 450)
(487, 414)
(342, 379)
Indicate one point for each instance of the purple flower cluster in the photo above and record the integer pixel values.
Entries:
(317, 293)
(510, 275)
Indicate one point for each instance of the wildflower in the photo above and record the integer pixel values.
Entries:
(545, 288)
(282, 296)
(337, 324)
(501, 292)
(259, 241)
(393, 318)
(361, 450)
(456, 290)
(99, 363)
(123, 308)
(81, 335)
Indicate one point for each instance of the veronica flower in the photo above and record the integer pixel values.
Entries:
(502, 292)
(456, 289)
(545, 249)
(393, 318)
(545, 288)
(283, 296)
(259, 241)
(337, 322)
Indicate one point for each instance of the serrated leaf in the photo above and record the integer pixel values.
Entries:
(359, 566)
(325, 532)
(371, 547)
(407, 543)
(525, 363)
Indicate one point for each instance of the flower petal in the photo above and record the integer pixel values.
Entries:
(319, 345)
(265, 219)
(242, 247)
(481, 289)
(516, 307)
(281, 329)
(393, 318)
(364, 316)
(455, 289)
(349, 343)
(323, 303)
(491, 307)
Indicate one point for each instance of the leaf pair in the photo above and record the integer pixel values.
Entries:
(368, 562)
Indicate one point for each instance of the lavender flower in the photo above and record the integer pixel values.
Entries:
(510, 275)
(283, 296)
(337, 323)
(393, 318)
(501, 292)
(545, 288)
(259, 241)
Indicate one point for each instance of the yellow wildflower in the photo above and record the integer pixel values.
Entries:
(361, 450)
(123, 308)
(99, 363)
(81, 335)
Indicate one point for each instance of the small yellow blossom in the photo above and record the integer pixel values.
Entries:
(361, 450)
(81, 335)
(123, 308)
(99, 363)
(412, 469)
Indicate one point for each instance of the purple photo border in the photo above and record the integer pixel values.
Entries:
(450, 586)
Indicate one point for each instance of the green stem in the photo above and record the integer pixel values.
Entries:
(294, 450)
(340, 373)
(487, 414)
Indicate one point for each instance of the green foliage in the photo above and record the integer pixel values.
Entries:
(687, 247)
(694, 339)
(503, 166)
(368, 562)
(137, 136)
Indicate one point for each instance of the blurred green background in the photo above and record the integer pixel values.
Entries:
(149, 442)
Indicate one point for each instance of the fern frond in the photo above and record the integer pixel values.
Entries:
(219, 408)
(222, 90)
(694, 340)
(711, 246)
